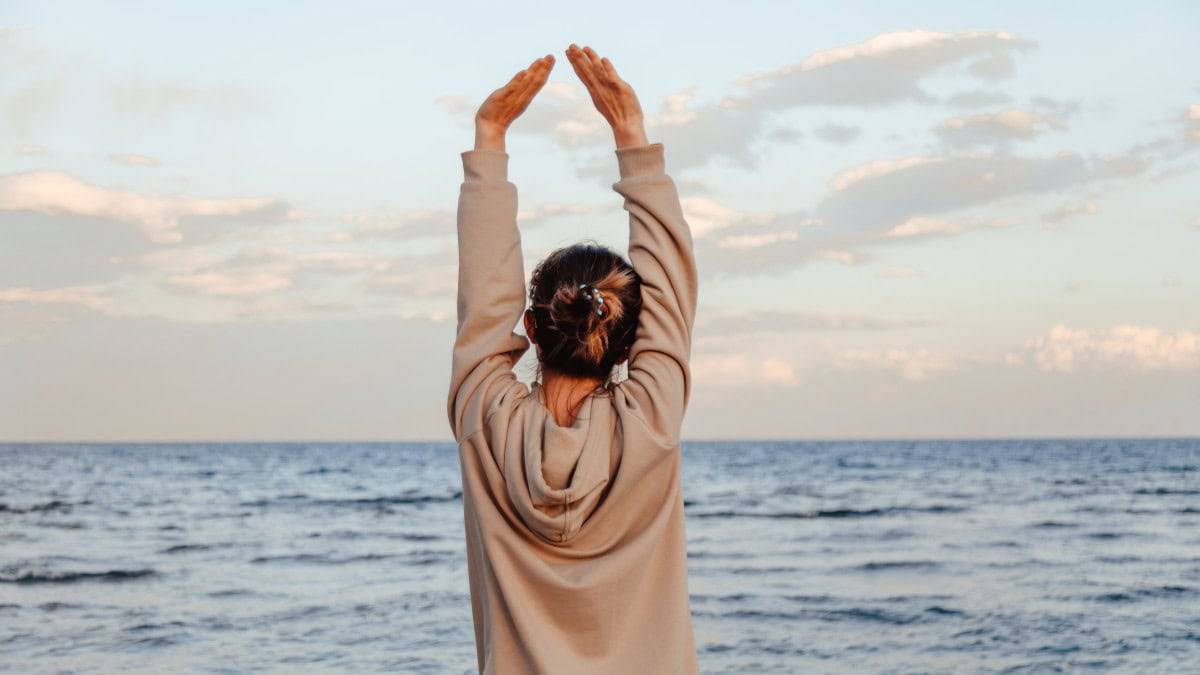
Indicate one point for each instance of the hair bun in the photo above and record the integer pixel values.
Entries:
(585, 301)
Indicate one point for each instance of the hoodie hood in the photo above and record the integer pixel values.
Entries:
(556, 476)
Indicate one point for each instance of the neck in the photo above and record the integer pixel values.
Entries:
(566, 393)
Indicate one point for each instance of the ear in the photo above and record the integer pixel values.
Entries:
(529, 324)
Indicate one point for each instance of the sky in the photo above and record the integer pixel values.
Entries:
(232, 222)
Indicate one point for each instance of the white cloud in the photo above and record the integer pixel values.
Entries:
(225, 284)
(911, 364)
(705, 216)
(1191, 122)
(744, 241)
(922, 226)
(93, 297)
(878, 169)
(841, 256)
(56, 193)
(995, 127)
(131, 159)
(1137, 347)
(738, 370)
(886, 68)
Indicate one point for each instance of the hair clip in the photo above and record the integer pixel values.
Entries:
(597, 299)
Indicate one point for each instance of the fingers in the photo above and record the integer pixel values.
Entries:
(537, 73)
(593, 70)
(581, 64)
(528, 81)
(608, 68)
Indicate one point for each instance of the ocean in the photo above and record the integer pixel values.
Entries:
(997, 556)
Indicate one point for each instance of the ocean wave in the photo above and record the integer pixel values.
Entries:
(831, 513)
(1155, 592)
(363, 502)
(883, 565)
(195, 548)
(1167, 491)
(19, 576)
(320, 558)
(44, 507)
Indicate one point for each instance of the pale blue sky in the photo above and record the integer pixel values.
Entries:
(949, 219)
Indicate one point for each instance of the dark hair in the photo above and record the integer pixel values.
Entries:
(585, 300)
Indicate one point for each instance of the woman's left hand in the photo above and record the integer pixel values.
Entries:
(508, 102)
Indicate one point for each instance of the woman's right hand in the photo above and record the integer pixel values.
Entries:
(611, 95)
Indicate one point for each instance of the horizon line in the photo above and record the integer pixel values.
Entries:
(731, 439)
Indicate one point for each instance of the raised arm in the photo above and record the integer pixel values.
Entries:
(660, 249)
(491, 273)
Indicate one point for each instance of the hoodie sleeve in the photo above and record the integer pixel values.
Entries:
(660, 249)
(491, 290)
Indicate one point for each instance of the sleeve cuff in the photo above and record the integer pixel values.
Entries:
(485, 165)
(638, 160)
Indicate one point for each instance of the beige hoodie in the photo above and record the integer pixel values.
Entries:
(575, 535)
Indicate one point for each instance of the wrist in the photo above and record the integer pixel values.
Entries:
(489, 137)
(628, 136)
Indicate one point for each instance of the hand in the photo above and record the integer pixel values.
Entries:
(508, 102)
(611, 95)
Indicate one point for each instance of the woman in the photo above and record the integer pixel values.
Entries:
(571, 496)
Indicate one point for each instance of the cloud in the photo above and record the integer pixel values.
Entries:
(32, 86)
(740, 370)
(706, 216)
(160, 100)
(31, 150)
(130, 159)
(886, 68)
(879, 194)
(158, 216)
(1000, 127)
(878, 169)
(425, 277)
(911, 364)
(30, 104)
(843, 256)
(93, 297)
(1140, 348)
(1054, 217)
(838, 134)
(399, 224)
(744, 322)
(224, 284)
(993, 67)
(745, 241)
(922, 227)
(1190, 121)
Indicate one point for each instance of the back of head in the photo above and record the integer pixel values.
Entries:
(585, 301)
